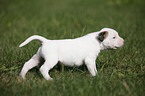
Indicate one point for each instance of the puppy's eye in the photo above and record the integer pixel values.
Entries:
(113, 37)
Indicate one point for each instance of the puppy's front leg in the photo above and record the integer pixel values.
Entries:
(90, 63)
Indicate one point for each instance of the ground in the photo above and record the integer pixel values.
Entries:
(120, 72)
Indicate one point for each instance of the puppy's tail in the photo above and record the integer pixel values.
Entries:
(42, 39)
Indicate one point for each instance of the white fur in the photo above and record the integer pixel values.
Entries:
(71, 51)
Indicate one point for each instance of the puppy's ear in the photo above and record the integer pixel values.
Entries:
(102, 35)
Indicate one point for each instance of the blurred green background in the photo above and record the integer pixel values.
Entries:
(120, 72)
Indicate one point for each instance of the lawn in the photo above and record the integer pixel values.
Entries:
(121, 72)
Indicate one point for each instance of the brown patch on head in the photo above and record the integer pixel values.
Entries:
(102, 35)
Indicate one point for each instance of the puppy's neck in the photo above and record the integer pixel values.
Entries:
(102, 46)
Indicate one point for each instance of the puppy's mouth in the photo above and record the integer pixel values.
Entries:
(116, 47)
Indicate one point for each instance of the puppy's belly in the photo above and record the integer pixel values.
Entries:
(70, 61)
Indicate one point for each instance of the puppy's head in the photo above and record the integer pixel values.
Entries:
(110, 39)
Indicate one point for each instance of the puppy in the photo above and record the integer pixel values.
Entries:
(72, 51)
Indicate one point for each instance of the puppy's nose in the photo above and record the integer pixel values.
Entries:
(122, 40)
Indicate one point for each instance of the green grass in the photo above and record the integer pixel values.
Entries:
(120, 72)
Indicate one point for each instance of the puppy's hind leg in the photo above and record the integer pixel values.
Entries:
(34, 61)
(49, 64)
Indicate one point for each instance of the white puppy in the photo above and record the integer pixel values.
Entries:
(72, 51)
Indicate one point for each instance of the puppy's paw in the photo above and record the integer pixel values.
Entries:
(49, 79)
(22, 76)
